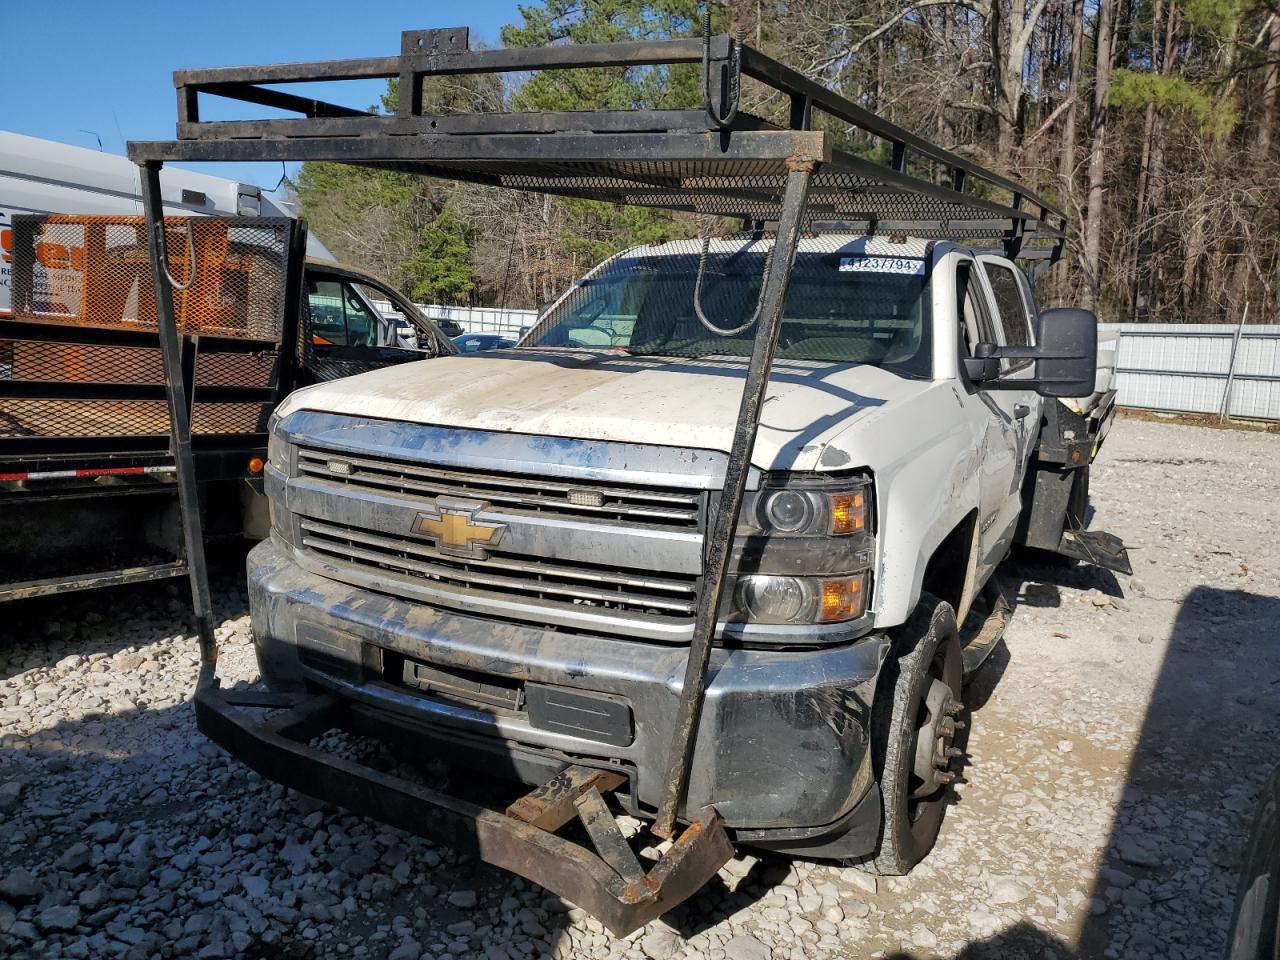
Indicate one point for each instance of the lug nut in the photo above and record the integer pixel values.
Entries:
(954, 752)
(946, 777)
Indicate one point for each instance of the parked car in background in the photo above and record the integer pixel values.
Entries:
(476, 342)
(450, 328)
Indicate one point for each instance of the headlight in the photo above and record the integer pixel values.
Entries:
(802, 553)
(790, 506)
(773, 599)
(798, 600)
(788, 511)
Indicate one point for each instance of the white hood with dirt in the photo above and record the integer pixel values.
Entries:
(609, 395)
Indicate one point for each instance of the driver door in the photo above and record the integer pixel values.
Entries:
(1016, 313)
(346, 334)
(998, 420)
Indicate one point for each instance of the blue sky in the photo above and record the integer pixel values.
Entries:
(106, 67)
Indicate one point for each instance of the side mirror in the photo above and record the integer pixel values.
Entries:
(1066, 356)
(984, 367)
(1067, 352)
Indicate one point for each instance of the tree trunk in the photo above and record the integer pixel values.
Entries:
(1067, 159)
(1067, 155)
(999, 74)
(1191, 261)
(1269, 115)
(1159, 269)
(1097, 151)
(1142, 209)
(1009, 45)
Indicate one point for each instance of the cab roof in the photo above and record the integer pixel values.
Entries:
(860, 245)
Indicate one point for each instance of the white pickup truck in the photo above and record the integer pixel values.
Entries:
(501, 553)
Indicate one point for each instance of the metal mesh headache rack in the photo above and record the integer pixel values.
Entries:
(709, 158)
(84, 385)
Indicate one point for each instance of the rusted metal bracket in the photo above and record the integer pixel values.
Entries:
(91, 581)
(551, 806)
(611, 882)
(608, 839)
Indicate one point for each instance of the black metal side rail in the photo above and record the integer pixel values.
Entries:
(610, 881)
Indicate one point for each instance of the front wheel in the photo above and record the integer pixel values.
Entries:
(914, 722)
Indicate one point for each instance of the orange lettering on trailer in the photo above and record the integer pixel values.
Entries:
(53, 256)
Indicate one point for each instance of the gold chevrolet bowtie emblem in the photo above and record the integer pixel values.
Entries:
(455, 529)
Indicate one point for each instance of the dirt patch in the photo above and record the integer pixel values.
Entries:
(1197, 420)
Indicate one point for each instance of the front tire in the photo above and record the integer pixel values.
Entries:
(914, 721)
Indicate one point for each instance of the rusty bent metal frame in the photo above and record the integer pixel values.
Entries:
(714, 159)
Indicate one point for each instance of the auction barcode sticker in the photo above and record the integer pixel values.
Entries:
(903, 265)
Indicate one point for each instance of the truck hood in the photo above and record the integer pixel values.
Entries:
(607, 395)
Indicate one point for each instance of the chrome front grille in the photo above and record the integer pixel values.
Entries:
(608, 557)
(513, 493)
(526, 588)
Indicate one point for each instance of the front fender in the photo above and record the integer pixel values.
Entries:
(926, 459)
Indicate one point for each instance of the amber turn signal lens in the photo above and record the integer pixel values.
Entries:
(843, 598)
(848, 513)
(256, 465)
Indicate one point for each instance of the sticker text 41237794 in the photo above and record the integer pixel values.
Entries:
(900, 265)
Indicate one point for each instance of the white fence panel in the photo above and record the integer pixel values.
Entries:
(475, 319)
(1185, 368)
(491, 319)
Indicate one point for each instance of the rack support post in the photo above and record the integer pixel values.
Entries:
(179, 419)
(725, 523)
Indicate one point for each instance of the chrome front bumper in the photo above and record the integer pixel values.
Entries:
(781, 749)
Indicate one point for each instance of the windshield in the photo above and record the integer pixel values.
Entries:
(841, 306)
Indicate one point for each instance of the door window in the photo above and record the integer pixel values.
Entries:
(361, 329)
(1014, 315)
(976, 325)
(338, 316)
(328, 318)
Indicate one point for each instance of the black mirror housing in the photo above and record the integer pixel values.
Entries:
(1067, 352)
(981, 369)
(1066, 356)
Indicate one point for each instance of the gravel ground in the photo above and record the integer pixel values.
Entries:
(1117, 740)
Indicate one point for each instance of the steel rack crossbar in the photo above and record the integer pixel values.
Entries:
(712, 158)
